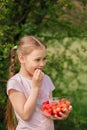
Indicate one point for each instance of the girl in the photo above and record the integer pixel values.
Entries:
(29, 88)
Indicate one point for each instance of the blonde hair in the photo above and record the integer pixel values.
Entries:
(28, 43)
(25, 46)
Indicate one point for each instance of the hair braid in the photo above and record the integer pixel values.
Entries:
(12, 63)
(10, 115)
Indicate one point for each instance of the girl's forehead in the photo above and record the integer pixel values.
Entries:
(38, 52)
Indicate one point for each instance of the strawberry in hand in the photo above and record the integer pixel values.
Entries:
(55, 107)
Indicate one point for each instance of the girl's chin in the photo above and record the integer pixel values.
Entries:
(30, 74)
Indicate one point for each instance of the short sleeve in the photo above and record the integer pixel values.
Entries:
(13, 84)
(50, 83)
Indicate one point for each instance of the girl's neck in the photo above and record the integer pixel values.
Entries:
(25, 74)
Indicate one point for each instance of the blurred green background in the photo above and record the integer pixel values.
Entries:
(62, 25)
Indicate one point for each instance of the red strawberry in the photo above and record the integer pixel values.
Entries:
(46, 102)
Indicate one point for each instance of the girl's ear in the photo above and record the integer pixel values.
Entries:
(21, 58)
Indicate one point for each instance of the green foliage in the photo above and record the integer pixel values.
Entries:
(67, 66)
(50, 19)
(4, 60)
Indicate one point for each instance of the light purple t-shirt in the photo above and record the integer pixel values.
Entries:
(37, 121)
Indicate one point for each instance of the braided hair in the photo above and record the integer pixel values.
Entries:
(10, 115)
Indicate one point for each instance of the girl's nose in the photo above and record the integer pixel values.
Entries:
(42, 64)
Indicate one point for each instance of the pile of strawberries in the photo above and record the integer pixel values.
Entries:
(55, 107)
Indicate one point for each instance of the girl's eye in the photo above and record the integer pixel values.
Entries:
(40, 59)
(37, 59)
(44, 58)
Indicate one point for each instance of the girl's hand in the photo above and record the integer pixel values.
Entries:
(64, 115)
(37, 78)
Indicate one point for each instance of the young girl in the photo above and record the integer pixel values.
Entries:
(29, 88)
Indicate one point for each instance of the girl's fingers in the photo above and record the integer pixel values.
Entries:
(70, 108)
(38, 74)
(63, 116)
(56, 118)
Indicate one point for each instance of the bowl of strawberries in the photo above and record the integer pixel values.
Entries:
(54, 106)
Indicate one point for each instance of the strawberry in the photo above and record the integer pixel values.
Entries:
(55, 107)
(46, 102)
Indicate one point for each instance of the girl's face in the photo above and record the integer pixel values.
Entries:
(35, 60)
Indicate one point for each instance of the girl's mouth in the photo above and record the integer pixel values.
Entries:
(39, 68)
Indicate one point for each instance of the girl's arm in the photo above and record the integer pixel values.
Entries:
(25, 107)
